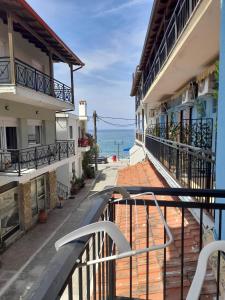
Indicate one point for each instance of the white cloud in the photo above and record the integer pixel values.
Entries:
(120, 7)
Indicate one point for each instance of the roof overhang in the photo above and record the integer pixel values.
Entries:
(136, 79)
(161, 10)
(33, 27)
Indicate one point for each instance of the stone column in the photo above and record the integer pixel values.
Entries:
(52, 187)
(25, 209)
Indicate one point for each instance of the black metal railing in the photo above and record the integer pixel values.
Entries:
(32, 78)
(62, 190)
(5, 76)
(177, 23)
(195, 132)
(21, 160)
(193, 167)
(163, 272)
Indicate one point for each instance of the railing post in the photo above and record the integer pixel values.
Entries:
(49, 155)
(67, 148)
(175, 26)
(178, 164)
(112, 265)
(19, 163)
(59, 150)
(64, 92)
(35, 157)
(35, 80)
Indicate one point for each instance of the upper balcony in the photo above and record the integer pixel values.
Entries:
(29, 51)
(27, 76)
(173, 62)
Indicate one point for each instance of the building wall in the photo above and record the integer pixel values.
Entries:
(21, 113)
(63, 123)
(25, 51)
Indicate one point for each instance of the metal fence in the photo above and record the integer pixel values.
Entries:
(193, 167)
(20, 160)
(104, 281)
(194, 132)
(32, 78)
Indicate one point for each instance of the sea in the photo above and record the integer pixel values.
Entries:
(115, 142)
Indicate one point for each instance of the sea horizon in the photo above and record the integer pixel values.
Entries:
(115, 141)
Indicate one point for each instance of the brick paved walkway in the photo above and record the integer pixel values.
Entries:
(144, 174)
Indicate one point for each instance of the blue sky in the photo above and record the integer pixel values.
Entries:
(108, 36)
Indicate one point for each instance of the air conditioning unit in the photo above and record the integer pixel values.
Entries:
(188, 97)
(206, 86)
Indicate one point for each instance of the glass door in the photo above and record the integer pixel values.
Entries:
(11, 137)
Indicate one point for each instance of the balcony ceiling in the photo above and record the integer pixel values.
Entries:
(197, 48)
(35, 30)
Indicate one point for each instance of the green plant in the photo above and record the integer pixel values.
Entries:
(74, 186)
(88, 158)
(80, 182)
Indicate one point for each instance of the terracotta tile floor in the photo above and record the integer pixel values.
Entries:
(144, 174)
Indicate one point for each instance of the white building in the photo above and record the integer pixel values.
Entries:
(29, 99)
(174, 87)
(72, 127)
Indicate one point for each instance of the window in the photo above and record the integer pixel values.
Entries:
(34, 134)
(70, 132)
(34, 205)
(9, 212)
(38, 194)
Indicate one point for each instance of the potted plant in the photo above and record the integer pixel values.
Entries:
(74, 185)
(42, 216)
(80, 182)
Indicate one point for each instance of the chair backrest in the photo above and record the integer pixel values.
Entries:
(198, 279)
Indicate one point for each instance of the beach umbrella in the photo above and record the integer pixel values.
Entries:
(126, 149)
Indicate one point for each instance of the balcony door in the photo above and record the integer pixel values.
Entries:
(11, 137)
(8, 133)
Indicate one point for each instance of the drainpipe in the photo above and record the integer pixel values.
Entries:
(220, 152)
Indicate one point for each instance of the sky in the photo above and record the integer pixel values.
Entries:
(108, 36)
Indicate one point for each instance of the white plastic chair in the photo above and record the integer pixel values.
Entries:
(198, 279)
(114, 232)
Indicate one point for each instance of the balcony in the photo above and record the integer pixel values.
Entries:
(161, 77)
(178, 21)
(194, 132)
(31, 78)
(162, 274)
(21, 161)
